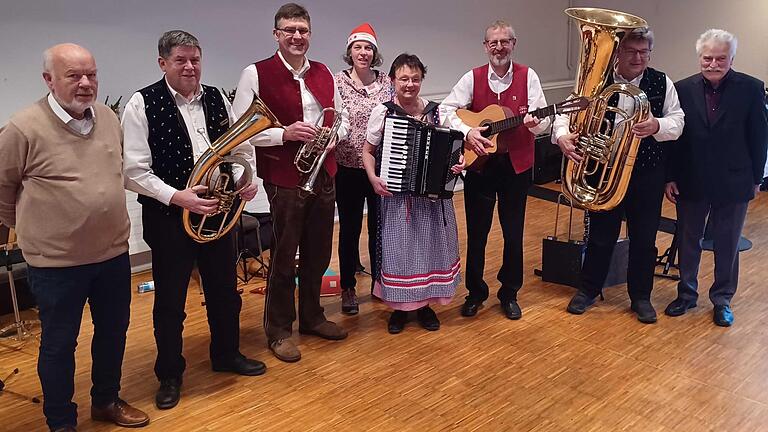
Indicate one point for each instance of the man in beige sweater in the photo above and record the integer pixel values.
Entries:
(61, 187)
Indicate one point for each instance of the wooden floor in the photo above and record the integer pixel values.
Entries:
(550, 371)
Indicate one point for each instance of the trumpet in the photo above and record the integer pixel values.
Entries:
(310, 157)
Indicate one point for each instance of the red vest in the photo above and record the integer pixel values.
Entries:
(281, 93)
(519, 141)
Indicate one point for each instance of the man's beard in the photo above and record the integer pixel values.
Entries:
(504, 61)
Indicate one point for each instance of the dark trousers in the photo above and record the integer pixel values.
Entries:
(726, 222)
(353, 190)
(304, 222)
(174, 254)
(481, 189)
(642, 208)
(61, 294)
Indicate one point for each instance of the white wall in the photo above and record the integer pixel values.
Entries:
(446, 34)
(677, 24)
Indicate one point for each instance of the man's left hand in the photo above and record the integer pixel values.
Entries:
(249, 192)
(530, 121)
(646, 128)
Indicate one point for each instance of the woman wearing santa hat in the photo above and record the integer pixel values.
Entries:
(361, 88)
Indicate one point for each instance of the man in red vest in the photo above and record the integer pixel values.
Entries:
(505, 174)
(296, 90)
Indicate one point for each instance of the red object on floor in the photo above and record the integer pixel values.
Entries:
(330, 286)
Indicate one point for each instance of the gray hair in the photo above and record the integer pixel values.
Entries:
(48, 60)
(640, 34)
(717, 35)
(174, 38)
(498, 24)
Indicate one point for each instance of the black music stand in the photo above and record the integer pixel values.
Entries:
(249, 223)
(10, 255)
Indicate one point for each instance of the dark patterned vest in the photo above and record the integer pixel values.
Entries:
(518, 141)
(282, 94)
(651, 153)
(169, 141)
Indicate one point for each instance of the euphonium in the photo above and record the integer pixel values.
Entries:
(599, 182)
(310, 157)
(219, 180)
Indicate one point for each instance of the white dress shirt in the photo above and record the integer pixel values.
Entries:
(83, 127)
(249, 85)
(461, 97)
(137, 163)
(670, 126)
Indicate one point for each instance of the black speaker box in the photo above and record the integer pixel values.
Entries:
(561, 262)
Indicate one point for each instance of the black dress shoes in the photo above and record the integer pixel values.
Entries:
(580, 302)
(511, 310)
(168, 394)
(646, 314)
(723, 316)
(397, 321)
(241, 366)
(428, 318)
(679, 307)
(470, 307)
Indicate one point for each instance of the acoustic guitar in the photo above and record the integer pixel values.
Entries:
(499, 119)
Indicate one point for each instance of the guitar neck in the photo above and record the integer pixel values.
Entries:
(513, 122)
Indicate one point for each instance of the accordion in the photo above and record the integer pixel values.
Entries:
(417, 157)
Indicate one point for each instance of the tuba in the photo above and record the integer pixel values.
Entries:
(214, 170)
(310, 157)
(599, 182)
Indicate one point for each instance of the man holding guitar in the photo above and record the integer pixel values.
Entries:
(502, 169)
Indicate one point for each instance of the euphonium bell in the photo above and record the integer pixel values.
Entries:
(310, 157)
(215, 170)
(607, 145)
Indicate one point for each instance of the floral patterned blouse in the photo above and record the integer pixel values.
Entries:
(359, 101)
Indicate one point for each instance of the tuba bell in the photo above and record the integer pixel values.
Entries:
(214, 170)
(310, 157)
(608, 146)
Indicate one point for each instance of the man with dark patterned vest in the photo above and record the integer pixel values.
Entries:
(642, 204)
(167, 127)
(505, 173)
(296, 90)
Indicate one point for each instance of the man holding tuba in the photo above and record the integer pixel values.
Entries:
(167, 127)
(297, 90)
(642, 204)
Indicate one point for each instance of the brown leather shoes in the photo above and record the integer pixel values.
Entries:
(326, 330)
(285, 350)
(121, 414)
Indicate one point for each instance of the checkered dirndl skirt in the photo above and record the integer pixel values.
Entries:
(418, 250)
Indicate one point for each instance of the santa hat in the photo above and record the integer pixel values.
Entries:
(364, 32)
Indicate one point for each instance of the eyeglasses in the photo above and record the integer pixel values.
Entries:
(499, 42)
(290, 31)
(406, 80)
(629, 52)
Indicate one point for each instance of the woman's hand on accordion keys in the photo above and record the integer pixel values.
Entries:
(380, 187)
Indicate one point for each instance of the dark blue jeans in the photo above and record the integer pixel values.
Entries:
(61, 294)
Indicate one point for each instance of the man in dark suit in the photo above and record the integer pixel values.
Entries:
(716, 169)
